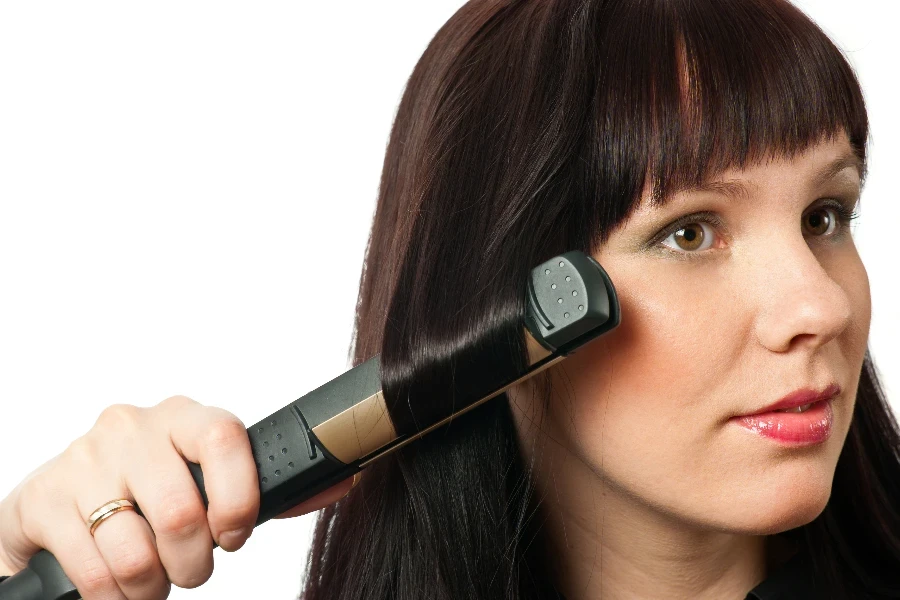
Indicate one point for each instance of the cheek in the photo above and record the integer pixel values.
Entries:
(851, 275)
(637, 401)
(666, 355)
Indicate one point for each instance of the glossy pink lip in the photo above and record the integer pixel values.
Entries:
(799, 398)
(812, 426)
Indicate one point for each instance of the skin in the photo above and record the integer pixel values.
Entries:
(138, 453)
(650, 491)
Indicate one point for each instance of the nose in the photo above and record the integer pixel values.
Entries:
(802, 304)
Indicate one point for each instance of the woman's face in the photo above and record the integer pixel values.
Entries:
(718, 319)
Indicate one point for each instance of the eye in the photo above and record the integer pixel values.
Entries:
(823, 221)
(691, 237)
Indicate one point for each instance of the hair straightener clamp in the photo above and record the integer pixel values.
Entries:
(342, 426)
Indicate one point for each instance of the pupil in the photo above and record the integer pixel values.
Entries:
(690, 234)
(814, 220)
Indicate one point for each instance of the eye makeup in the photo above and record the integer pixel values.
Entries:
(654, 245)
(843, 208)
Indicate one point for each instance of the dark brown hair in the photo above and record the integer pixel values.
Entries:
(528, 128)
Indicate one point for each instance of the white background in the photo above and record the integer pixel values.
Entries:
(185, 196)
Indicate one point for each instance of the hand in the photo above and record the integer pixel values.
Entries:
(139, 454)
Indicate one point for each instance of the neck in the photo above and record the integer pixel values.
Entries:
(602, 542)
(616, 558)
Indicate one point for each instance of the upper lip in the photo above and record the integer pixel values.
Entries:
(801, 397)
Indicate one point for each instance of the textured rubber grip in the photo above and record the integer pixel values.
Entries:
(292, 464)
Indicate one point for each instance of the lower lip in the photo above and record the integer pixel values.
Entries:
(812, 426)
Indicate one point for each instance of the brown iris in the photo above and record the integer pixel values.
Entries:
(818, 222)
(689, 237)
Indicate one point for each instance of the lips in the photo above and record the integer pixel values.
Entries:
(813, 426)
(799, 398)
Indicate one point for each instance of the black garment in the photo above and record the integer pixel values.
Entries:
(791, 581)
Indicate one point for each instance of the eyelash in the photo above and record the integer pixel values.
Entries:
(844, 216)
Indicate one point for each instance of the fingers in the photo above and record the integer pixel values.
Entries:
(217, 440)
(118, 564)
(170, 502)
(139, 454)
(82, 561)
(126, 544)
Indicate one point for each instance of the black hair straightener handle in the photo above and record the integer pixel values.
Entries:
(339, 428)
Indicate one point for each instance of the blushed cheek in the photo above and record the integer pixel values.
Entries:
(672, 331)
(655, 366)
(624, 403)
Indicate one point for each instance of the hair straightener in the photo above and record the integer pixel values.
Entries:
(342, 426)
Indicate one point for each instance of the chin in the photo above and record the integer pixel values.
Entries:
(785, 511)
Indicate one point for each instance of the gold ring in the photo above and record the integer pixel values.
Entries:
(106, 511)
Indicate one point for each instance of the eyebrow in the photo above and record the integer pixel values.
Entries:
(738, 189)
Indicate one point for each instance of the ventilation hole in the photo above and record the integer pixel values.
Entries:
(562, 264)
(266, 443)
(559, 300)
(271, 457)
(581, 307)
(284, 450)
(566, 315)
(272, 423)
(290, 465)
(277, 436)
(546, 271)
(574, 293)
(552, 286)
(277, 472)
(265, 480)
(568, 278)
(260, 430)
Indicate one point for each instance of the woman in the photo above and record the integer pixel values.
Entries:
(709, 154)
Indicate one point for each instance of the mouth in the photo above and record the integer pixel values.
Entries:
(799, 401)
(803, 425)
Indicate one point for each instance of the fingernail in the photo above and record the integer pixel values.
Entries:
(232, 540)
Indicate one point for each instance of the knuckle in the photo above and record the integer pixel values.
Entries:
(176, 402)
(118, 416)
(179, 517)
(96, 578)
(131, 565)
(225, 432)
(82, 453)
